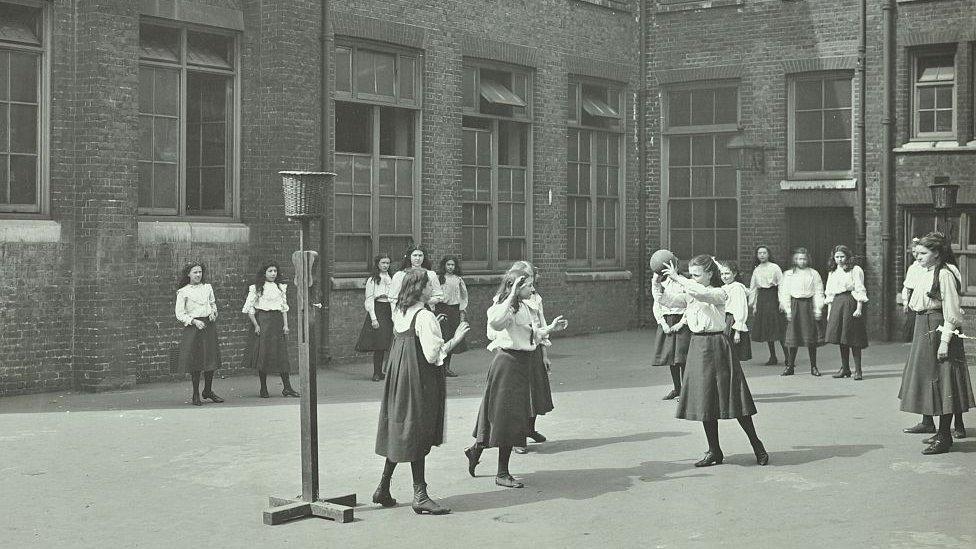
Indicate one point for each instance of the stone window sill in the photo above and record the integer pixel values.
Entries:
(935, 146)
(817, 184)
(598, 276)
(616, 5)
(677, 5)
(158, 232)
(29, 230)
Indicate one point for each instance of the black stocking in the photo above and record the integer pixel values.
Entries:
(928, 420)
(264, 381)
(676, 376)
(195, 376)
(812, 350)
(792, 355)
(531, 424)
(845, 358)
(285, 380)
(959, 423)
(378, 363)
(504, 454)
(783, 345)
(945, 421)
(388, 468)
(772, 350)
(208, 382)
(711, 434)
(417, 468)
(749, 427)
(856, 351)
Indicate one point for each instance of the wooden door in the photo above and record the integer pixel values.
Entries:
(819, 230)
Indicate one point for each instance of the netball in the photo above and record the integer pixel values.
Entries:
(661, 258)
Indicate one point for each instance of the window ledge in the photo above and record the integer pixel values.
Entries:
(933, 146)
(597, 276)
(29, 230)
(616, 5)
(697, 5)
(817, 184)
(156, 232)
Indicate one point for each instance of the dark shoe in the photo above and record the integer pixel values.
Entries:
(711, 458)
(474, 458)
(382, 494)
(814, 371)
(675, 393)
(762, 456)
(423, 504)
(264, 393)
(919, 429)
(959, 432)
(520, 449)
(940, 446)
(508, 481)
(537, 436)
(450, 373)
(857, 375)
(196, 401)
(788, 371)
(843, 372)
(377, 377)
(771, 362)
(289, 392)
(931, 439)
(212, 396)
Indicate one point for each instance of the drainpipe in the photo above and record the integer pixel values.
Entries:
(327, 163)
(642, 165)
(889, 36)
(861, 128)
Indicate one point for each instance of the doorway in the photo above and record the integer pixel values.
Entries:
(819, 230)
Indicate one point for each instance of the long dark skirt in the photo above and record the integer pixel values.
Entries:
(931, 387)
(412, 411)
(376, 339)
(742, 349)
(713, 385)
(452, 319)
(540, 392)
(505, 410)
(672, 348)
(268, 352)
(768, 324)
(802, 330)
(842, 327)
(199, 350)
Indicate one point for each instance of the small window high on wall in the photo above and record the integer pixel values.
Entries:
(934, 95)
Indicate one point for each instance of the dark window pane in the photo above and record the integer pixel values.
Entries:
(702, 107)
(837, 93)
(470, 91)
(936, 68)
(23, 128)
(518, 219)
(582, 212)
(362, 171)
(365, 72)
(214, 146)
(584, 147)
(943, 121)
(387, 215)
(809, 157)
(837, 155)
(404, 169)
(407, 74)
(518, 185)
(159, 43)
(584, 179)
(145, 184)
(213, 188)
(809, 94)
(343, 167)
(681, 242)
(387, 177)
(396, 132)
(679, 151)
(353, 249)
(343, 213)
(23, 179)
(4, 144)
(573, 100)
(483, 192)
(146, 77)
(23, 77)
(164, 186)
(725, 181)
(484, 149)
(726, 214)
(572, 146)
(385, 71)
(572, 178)
(145, 137)
(343, 69)
(361, 214)
(167, 139)
(167, 92)
(726, 245)
(926, 121)
(404, 215)
(468, 182)
(193, 190)
(4, 70)
(726, 106)
(703, 214)
(809, 125)
(926, 98)
(613, 181)
(210, 50)
(701, 182)
(943, 97)
(679, 108)
(722, 157)
(680, 214)
(701, 151)
(837, 124)
(469, 142)
(353, 127)
(582, 247)
(394, 244)
(679, 182)
(703, 242)
(504, 220)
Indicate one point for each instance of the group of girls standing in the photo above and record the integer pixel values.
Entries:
(266, 306)
(412, 414)
(448, 301)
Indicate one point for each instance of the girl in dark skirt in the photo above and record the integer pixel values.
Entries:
(714, 386)
(412, 411)
(672, 336)
(267, 307)
(736, 311)
(802, 299)
(196, 309)
(936, 379)
(377, 331)
(846, 295)
(505, 407)
(768, 322)
(451, 311)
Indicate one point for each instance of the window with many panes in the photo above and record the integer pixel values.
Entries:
(934, 94)
(595, 159)
(820, 125)
(961, 231)
(188, 115)
(495, 173)
(21, 105)
(701, 188)
(377, 186)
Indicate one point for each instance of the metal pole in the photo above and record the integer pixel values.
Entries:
(642, 166)
(327, 162)
(887, 206)
(861, 216)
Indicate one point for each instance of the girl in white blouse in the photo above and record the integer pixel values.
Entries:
(801, 297)
(713, 386)
(417, 257)
(452, 309)
(768, 323)
(846, 295)
(671, 339)
(936, 379)
(736, 310)
(267, 308)
(377, 331)
(412, 410)
(196, 309)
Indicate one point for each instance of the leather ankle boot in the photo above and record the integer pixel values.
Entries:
(423, 504)
(382, 494)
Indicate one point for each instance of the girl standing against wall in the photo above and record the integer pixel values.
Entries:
(267, 308)
(846, 295)
(452, 309)
(377, 331)
(802, 299)
(196, 309)
(768, 323)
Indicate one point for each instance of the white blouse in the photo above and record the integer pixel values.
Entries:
(801, 283)
(521, 330)
(427, 328)
(920, 283)
(840, 281)
(706, 308)
(436, 296)
(377, 292)
(737, 303)
(669, 299)
(764, 275)
(535, 303)
(455, 291)
(195, 301)
(906, 292)
(272, 298)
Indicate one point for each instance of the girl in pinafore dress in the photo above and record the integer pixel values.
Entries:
(377, 331)
(506, 407)
(412, 411)
(768, 323)
(540, 391)
(936, 379)
(672, 336)
(714, 386)
(736, 311)
(802, 299)
(196, 309)
(452, 309)
(846, 295)
(267, 308)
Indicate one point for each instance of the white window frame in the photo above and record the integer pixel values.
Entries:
(916, 56)
(792, 172)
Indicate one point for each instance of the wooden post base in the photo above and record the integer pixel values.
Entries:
(339, 509)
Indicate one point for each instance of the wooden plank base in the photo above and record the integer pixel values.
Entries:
(283, 510)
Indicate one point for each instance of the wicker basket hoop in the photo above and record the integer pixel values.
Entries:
(304, 192)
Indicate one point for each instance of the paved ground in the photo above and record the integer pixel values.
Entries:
(142, 468)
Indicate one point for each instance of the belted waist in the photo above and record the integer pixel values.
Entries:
(803, 298)
(707, 333)
(927, 312)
